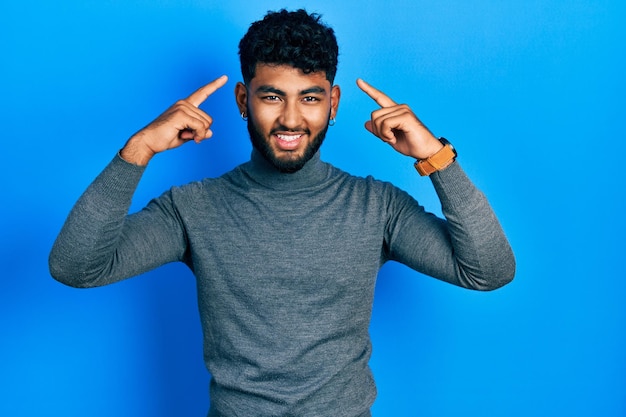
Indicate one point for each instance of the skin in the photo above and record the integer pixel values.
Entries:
(289, 108)
(179, 124)
(397, 125)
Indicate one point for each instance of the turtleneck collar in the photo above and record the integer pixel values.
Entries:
(262, 171)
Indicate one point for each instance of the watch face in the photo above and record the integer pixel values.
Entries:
(446, 142)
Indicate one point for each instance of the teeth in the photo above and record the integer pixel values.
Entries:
(288, 138)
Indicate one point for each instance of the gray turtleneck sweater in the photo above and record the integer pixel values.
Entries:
(285, 267)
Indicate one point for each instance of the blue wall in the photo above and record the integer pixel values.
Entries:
(531, 93)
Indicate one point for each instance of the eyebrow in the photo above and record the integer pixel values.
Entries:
(274, 90)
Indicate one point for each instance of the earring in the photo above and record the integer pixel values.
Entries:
(243, 116)
(331, 122)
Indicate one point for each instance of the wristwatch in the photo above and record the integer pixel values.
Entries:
(440, 160)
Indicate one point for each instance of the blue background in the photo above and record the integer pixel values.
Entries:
(530, 92)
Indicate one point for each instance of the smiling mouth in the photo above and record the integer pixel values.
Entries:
(288, 141)
(289, 138)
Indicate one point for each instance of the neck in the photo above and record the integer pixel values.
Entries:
(265, 173)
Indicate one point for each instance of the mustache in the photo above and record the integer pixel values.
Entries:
(290, 129)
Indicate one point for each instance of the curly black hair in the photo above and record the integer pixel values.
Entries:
(294, 38)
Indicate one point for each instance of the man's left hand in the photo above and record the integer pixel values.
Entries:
(397, 125)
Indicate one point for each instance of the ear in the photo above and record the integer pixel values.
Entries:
(241, 97)
(335, 95)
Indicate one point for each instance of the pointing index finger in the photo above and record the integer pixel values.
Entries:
(378, 96)
(201, 94)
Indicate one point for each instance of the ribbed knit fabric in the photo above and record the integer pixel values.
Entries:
(286, 266)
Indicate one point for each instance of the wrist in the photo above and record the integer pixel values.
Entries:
(136, 152)
(437, 161)
(433, 146)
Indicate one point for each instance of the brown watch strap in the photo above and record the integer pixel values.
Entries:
(442, 159)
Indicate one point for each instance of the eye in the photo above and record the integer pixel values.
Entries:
(310, 99)
(271, 98)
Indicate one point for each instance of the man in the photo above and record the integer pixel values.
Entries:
(285, 248)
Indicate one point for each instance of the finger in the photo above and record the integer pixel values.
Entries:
(201, 94)
(382, 135)
(388, 122)
(183, 113)
(381, 120)
(195, 112)
(189, 133)
(192, 125)
(378, 96)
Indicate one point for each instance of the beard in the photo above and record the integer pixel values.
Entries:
(292, 162)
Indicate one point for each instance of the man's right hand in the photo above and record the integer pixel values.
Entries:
(179, 124)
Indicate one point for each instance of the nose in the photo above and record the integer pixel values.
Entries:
(290, 116)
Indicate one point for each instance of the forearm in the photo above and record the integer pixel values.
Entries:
(481, 254)
(468, 248)
(88, 239)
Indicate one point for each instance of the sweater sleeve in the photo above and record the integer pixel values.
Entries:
(100, 243)
(468, 248)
